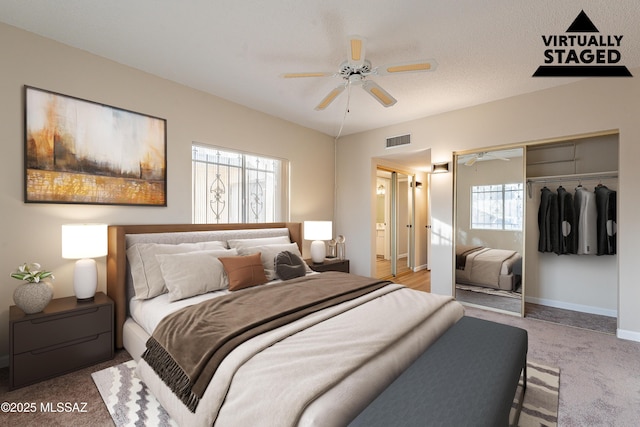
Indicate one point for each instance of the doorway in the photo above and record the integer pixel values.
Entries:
(395, 222)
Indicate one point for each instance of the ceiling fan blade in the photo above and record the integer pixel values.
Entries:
(471, 161)
(407, 67)
(506, 159)
(356, 51)
(330, 97)
(381, 95)
(311, 74)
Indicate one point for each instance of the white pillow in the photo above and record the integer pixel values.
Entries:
(268, 255)
(145, 270)
(194, 273)
(258, 241)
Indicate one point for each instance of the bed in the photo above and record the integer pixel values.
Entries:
(287, 375)
(488, 267)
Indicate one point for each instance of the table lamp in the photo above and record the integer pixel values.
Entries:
(84, 242)
(317, 231)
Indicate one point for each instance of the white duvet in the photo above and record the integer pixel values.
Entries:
(321, 370)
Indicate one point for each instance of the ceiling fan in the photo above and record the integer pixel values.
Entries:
(483, 155)
(356, 70)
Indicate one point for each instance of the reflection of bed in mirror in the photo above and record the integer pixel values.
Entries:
(488, 267)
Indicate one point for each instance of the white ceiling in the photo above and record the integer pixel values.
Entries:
(237, 49)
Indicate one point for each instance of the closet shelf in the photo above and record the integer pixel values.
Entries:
(548, 162)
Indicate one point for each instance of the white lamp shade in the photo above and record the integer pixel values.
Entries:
(84, 241)
(318, 230)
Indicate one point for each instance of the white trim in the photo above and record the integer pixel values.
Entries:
(420, 267)
(628, 335)
(575, 307)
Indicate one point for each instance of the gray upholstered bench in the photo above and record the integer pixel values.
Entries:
(468, 377)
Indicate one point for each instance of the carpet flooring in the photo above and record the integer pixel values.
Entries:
(576, 319)
(600, 373)
(130, 404)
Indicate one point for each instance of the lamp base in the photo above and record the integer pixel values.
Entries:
(318, 251)
(85, 279)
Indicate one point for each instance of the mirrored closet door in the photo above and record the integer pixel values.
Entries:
(489, 229)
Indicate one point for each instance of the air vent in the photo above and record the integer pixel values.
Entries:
(396, 141)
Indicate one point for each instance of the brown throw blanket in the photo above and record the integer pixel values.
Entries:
(187, 346)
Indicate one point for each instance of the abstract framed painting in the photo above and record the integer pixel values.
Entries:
(79, 151)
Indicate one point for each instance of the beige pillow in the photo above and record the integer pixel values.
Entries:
(258, 241)
(193, 273)
(269, 254)
(145, 270)
(244, 271)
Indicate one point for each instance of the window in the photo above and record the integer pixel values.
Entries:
(497, 207)
(236, 187)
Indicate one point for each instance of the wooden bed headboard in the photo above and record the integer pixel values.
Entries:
(117, 256)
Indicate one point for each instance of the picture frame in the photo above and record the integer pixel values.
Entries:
(83, 152)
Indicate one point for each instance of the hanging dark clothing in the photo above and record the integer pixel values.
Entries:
(606, 222)
(566, 223)
(544, 239)
(549, 240)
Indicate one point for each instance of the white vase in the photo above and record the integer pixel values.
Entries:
(33, 297)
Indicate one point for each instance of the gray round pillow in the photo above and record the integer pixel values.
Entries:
(289, 266)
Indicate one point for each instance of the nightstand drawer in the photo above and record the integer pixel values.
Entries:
(65, 327)
(38, 365)
(330, 264)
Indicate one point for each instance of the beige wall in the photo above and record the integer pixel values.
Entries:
(31, 232)
(587, 106)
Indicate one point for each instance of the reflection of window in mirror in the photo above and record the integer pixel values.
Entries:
(497, 207)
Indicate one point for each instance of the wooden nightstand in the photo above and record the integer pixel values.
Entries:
(67, 335)
(330, 264)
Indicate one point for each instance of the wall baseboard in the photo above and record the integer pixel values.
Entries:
(628, 335)
(575, 307)
(420, 267)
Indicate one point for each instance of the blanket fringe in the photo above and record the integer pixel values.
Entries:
(173, 375)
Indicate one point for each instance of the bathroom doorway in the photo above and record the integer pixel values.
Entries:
(395, 218)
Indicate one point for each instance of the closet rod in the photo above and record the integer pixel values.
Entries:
(573, 177)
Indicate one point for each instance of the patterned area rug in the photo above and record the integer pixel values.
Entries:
(540, 406)
(127, 399)
(130, 404)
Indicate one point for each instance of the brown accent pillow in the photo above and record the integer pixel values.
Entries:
(244, 271)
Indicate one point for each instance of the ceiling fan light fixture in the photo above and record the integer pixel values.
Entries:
(355, 70)
(330, 97)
